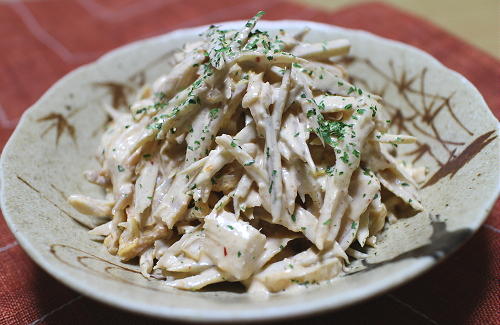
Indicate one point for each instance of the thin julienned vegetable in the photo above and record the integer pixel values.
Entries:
(252, 160)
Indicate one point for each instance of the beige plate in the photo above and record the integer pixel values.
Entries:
(57, 138)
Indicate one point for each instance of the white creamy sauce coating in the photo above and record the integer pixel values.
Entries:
(251, 142)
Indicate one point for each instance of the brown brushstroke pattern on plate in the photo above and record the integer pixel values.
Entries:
(60, 124)
(455, 163)
(425, 109)
(118, 91)
(53, 203)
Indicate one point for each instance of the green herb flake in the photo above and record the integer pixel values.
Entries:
(139, 111)
(250, 163)
(146, 156)
(348, 106)
(160, 95)
(296, 134)
(328, 128)
(120, 168)
(353, 225)
(345, 157)
(293, 217)
(327, 222)
(214, 112)
(239, 254)
(405, 184)
(233, 144)
(230, 227)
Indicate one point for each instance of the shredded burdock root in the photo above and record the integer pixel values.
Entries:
(252, 160)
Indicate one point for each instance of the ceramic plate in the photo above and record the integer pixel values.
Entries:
(57, 138)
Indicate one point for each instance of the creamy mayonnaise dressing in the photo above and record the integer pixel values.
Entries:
(252, 160)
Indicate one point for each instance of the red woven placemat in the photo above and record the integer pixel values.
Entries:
(40, 41)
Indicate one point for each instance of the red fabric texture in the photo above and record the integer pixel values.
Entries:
(40, 41)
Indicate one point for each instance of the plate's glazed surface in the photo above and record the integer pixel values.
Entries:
(57, 138)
